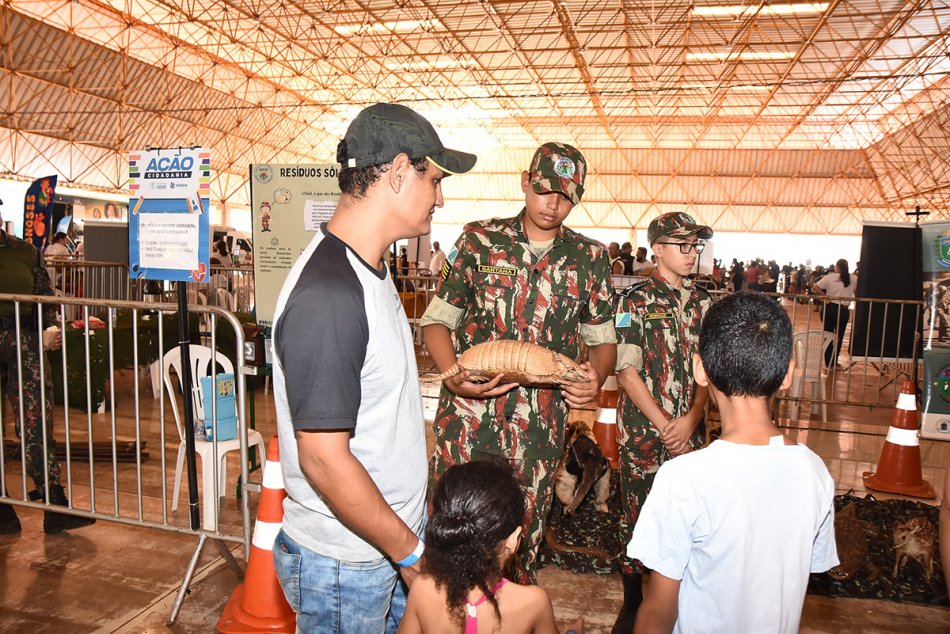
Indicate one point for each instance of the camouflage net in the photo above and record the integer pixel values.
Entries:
(588, 541)
(866, 548)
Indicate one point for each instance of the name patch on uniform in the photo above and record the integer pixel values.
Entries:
(510, 271)
(667, 315)
(622, 320)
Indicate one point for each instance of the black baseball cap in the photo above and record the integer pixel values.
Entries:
(382, 131)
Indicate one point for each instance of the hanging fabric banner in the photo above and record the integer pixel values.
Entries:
(169, 214)
(38, 211)
(935, 237)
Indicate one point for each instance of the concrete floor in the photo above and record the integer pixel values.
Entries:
(113, 577)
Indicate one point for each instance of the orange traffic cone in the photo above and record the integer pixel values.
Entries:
(605, 426)
(258, 604)
(898, 470)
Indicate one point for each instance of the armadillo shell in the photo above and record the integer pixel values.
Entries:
(519, 362)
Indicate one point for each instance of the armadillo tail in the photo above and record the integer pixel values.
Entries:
(455, 369)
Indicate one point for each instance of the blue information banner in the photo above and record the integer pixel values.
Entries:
(169, 229)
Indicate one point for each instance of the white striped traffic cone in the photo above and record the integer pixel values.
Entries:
(258, 604)
(898, 470)
(605, 426)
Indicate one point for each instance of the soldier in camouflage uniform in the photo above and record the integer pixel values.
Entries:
(660, 407)
(22, 272)
(527, 278)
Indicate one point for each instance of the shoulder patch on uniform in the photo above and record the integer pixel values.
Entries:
(447, 265)
(627, 292)
(623, 320)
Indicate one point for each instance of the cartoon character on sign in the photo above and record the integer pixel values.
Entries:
(44, 200)
(282, 196)
(265, 216)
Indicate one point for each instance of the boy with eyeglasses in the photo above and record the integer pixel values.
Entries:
(659, 413)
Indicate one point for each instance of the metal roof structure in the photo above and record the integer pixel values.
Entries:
(803, 117)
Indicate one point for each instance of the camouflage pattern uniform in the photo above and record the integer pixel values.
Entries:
(22, 272)
(657, 333)
(503, 290)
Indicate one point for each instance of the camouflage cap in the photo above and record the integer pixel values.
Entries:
(382, 131)
(558, 167)
(677, 224)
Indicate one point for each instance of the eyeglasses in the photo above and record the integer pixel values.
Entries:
(686, 247)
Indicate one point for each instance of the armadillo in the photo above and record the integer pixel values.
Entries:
(519, 361)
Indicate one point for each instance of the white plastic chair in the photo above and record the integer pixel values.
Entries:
(809, 348)
(244, 299)
(201, 366)
(216, 281)
(197, 298)
(224, 299)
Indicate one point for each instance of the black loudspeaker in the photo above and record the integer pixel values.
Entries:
(890, 270)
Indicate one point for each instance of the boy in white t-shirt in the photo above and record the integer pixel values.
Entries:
(732, 531)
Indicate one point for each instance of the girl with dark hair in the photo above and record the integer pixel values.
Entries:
(839, 286)
(475, 528)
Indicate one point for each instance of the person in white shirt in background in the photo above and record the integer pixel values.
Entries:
(641, 265)
(57, 249)
(437, 260)
(731, 532)
(839, 287)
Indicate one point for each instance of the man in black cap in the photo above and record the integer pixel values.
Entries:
(349, 410)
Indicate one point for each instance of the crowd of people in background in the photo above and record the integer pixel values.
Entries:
(768, 277)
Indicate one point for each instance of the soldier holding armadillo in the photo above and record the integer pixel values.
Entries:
(526, 278)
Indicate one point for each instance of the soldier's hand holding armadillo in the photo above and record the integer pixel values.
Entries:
(518, 362)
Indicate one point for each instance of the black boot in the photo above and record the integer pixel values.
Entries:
(9, 522)
(54, 522)
(632, 598)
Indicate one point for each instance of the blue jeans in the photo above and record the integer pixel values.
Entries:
(336, 596)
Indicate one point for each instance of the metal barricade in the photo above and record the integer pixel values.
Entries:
(106, 453)
(879, 341)
(72, 277)
(621, 282)
(230, 287)
(415, 292)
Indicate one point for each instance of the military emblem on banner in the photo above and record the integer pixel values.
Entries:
(942, 381)
(263, 173)
(943, 250)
